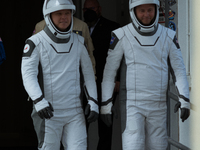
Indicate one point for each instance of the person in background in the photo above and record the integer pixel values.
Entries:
(62, 56)
(2, 52)
(100, 31)
(145, 51)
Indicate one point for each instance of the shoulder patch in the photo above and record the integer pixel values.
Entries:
(176, 42)
(113, 42)
(78, 32)
(28, 48)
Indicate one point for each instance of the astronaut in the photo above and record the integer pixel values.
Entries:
(142, 50)
(61, 54)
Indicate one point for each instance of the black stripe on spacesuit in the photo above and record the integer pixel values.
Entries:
(38, 100)
(106, 102)
(88, 96)
(174, 80)
(82, 94)
(181, 96)
(40, 78)
(31, 48)
(113, 42)
(53, 37)
(147, 45)
(171, 71)
(62, 52)
(143, 33)
(92, 99)
(123, 93)
(176, 42)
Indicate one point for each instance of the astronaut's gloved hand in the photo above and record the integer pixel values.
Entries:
(44, 109)
(107, 113)
(185, 109)
(108, 118)
(92, 111)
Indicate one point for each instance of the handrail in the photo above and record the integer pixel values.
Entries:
(170, 140)
(177, 144)
(172, 96)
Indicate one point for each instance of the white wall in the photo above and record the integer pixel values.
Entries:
(189, 39)
(195, 73)
(184, 41)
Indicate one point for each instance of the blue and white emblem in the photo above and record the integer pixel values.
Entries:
(112, 40)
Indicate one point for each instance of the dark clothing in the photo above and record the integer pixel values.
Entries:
(2, 52)
(101, 37)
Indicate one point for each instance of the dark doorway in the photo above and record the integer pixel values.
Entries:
(18, 19)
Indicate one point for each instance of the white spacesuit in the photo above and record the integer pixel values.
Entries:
(143, 53)
(61, 55)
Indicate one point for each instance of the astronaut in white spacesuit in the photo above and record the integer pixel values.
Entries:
(61, 54)
(144, 51)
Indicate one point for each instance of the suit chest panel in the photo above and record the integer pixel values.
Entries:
(146, 50)
(146, 60)
(59, 57)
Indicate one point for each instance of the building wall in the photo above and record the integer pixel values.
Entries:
(184, 41)
(195, 73)
(189, 40)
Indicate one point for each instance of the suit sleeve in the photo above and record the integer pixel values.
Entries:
(89, 78)
(178, 72)
(113, 60)
(29, 70)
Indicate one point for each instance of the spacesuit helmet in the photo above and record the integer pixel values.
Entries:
(56, 5)
(137, 24)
